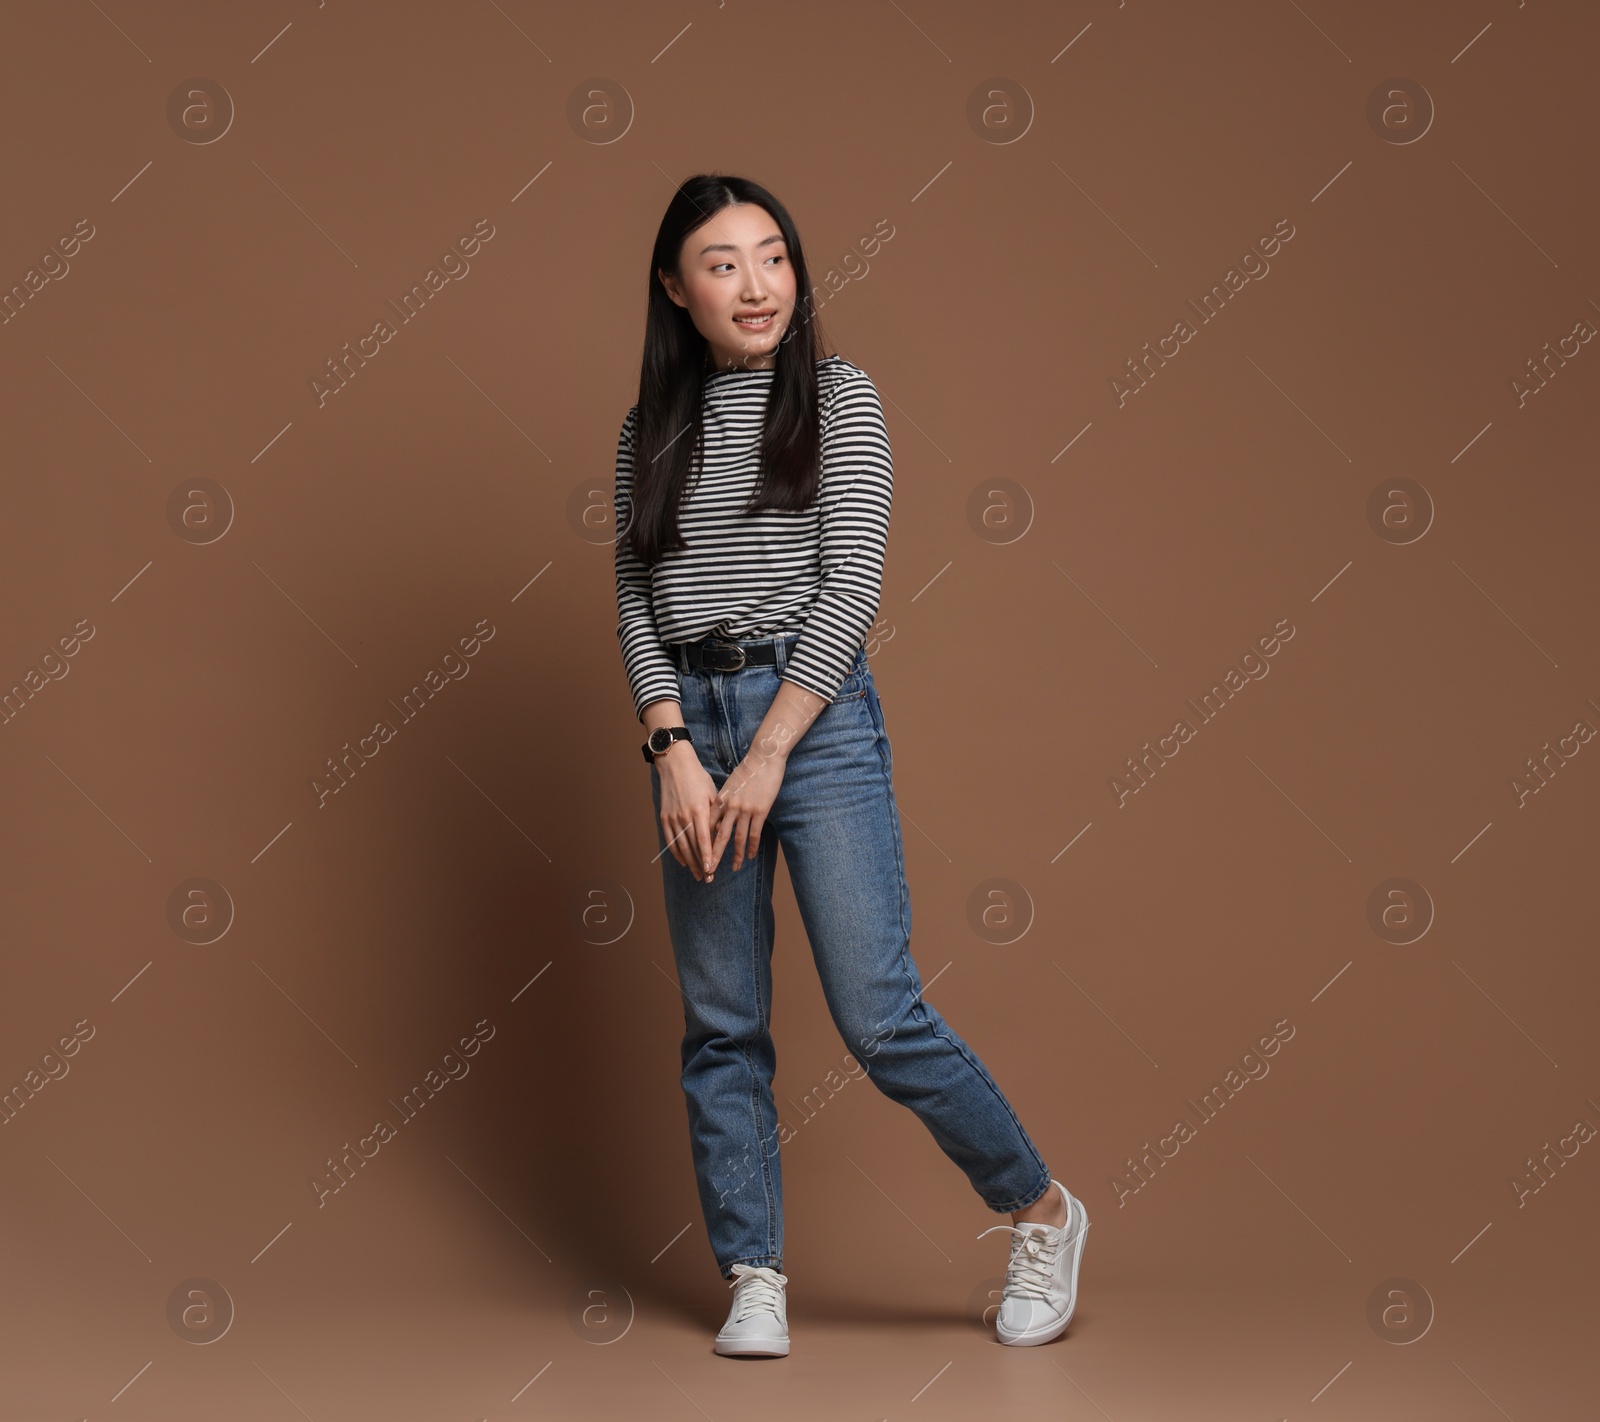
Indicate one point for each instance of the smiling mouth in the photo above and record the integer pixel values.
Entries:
(758, 319)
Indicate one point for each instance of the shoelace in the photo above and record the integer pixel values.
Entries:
(1031, 1269)
(755, 1288)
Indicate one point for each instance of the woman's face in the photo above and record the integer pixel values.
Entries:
(735, 281)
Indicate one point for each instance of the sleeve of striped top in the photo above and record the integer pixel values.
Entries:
(651, 674)
(857, 489)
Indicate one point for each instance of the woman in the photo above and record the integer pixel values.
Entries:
(753, 487)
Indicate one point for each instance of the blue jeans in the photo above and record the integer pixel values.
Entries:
(836, 818)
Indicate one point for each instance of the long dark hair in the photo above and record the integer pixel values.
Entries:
(668, 430)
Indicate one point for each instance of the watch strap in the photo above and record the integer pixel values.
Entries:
(674, 733)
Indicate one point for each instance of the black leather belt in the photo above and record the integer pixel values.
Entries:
(719, 654)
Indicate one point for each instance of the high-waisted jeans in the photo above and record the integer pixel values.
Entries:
(836, 818)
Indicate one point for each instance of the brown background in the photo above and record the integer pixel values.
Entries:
(503, 836)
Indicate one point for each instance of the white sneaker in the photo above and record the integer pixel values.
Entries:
(758, 1322)
(1041, 1288)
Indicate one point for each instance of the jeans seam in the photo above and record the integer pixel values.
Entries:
(919, 1009)
(994, 1089)
(763, 1026)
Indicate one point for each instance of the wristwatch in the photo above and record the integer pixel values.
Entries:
(661, 739)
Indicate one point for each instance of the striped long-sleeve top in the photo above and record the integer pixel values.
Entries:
(818, 572)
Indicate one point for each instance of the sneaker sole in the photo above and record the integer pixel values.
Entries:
(753, 1347)
(1055, 1330)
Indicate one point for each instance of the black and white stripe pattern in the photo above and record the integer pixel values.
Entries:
(818, 573)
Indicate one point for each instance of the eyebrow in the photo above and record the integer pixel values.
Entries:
(729, 247)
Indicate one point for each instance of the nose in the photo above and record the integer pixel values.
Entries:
(755, 287)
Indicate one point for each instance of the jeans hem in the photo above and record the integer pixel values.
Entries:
(1022, 1204)
(764, 1261)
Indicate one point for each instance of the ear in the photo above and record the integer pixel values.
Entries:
(673, 285)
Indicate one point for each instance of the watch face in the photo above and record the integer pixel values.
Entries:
(660, 739)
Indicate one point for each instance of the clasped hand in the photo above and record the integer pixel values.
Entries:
(743, 804)
(700, 821)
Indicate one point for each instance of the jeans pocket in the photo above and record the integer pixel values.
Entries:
(854, 686)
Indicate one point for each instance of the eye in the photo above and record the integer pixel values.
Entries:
(775, 259)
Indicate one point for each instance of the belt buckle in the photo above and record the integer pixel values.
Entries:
(715, 651)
